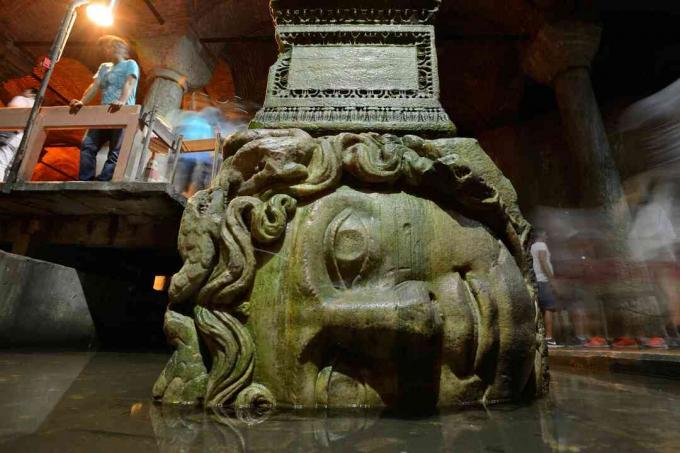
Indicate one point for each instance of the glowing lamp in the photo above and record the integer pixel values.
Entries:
(100, 14)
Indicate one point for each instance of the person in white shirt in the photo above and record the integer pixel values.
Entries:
(10, 141)
(544, 273)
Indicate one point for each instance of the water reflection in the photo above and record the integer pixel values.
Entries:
(107, 407)
(182, 429)
(581, 414)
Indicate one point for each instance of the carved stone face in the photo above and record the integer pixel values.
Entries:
(376, 298)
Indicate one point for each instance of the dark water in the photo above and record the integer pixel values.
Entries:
(100, 402)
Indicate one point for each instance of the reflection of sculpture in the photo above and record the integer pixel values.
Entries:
(524, 428)
(356, 269)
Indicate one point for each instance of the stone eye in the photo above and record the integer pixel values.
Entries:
(346, 245)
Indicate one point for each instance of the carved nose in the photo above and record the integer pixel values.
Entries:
(409, 308)
(416, 309)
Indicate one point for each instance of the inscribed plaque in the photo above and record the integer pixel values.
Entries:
(354, 67)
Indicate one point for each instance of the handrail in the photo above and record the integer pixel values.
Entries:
(128, 118)
(60, 118)
(13, 119)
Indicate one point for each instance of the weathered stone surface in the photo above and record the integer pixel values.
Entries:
(175, 64)
(165, 92)
(355, 67)
(354, 11)
(560, 47)
(181, 52)
(359, 269)
(42, 304)
(184, 378)
(371, 68)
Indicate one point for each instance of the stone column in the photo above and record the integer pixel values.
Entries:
(176, 64)
(560, 57)
(166, 90)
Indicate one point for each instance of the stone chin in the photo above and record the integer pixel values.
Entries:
(387, 299)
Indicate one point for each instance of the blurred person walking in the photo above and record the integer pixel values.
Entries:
(652, 240)
(544, 274)
(193, 169)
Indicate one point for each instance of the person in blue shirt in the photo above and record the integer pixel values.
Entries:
(193, 169)
(117, 81)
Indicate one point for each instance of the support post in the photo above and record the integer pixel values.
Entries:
(176, 152)
(216, 157)
(141, 163)
(55, 55)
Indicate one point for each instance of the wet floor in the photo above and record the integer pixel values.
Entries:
(100, 402)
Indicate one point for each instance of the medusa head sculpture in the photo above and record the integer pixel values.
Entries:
(353, 270)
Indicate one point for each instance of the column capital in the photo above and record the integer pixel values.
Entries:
(168, 55)
(559, 47)
(170, 74)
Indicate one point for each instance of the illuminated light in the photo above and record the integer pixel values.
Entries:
(136, 409)
(101, 15)
(159, 283)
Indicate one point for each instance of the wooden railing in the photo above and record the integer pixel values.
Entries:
(141, 133)
(59, 118)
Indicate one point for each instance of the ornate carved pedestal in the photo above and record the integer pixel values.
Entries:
(357, 269)
(363, 66)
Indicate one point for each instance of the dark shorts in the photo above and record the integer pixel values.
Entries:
(546, 298)
(573, 298)
(192, 171)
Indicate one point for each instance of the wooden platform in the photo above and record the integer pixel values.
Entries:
(61, 118)
(91, 198)
(136, 215)
(649, 362)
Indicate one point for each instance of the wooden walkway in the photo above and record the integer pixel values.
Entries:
(91, 214)
(127, 212)
(91, 198)
(649, 362)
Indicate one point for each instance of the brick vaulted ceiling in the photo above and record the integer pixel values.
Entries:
(33, 23)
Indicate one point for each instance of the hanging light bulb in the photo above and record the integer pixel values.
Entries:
(101, 14)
